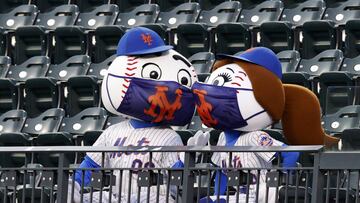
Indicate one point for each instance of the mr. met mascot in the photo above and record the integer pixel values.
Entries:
(149, 83)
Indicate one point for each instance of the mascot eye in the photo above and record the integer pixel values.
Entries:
(151, 70)
(184, 77)
(221, 79)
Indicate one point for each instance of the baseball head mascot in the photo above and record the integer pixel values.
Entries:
(149, 83)
(243, 95)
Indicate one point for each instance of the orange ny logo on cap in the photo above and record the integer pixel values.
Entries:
(147, 39)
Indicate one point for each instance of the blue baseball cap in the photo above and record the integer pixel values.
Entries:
(139, 41)
(261, 56)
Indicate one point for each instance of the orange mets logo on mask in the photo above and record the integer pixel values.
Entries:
(159, 100)
(147, 39)
(204, 109)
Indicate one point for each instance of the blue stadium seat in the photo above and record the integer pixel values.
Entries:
(20, 16)
(141, 15)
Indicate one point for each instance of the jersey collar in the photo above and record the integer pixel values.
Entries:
(141, 124)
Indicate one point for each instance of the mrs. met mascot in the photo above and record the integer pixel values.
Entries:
(244, 95)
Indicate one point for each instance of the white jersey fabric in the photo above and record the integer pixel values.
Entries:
(250, 160)
(124, 134)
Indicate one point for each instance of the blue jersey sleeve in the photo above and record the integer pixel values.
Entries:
(86, 163)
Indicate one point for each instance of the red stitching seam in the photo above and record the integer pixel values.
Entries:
(130, 64)
(127, 74)
(125, 86)
(131, 68)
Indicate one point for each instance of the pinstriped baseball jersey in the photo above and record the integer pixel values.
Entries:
(249, 160)
(123, 134)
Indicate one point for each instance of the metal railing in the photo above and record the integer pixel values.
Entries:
(322, 177)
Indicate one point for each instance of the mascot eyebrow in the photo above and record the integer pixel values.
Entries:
(178, 57)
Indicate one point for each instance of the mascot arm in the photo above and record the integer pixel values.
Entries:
(289, 159)
(220, 178)
(86, 163)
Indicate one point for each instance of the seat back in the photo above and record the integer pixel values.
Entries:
(34, 67)
(41, 94)
(202, 62)
(289, 60)
(167, 5)
(232, 38)
(277, 36)
(49, 5)
(264, 12)
(87, 120)
(83, 92)
(144, 14)
(304, 11)
(12, 121)
(74, 66)
(184, 13)
(225, 12)
(47, 122)
(351, 65)
(10, 97)
(105, 41)
(8, 5)
(112, 120)
(69, 41)
(64, 15)
(89, 5)
(352, 39)
(192, 38)
(99, 16)
(318, 36)
(30, 41)
(345, 118)
(329, 60)
(3, 42)
(99, 69)
(5, 62)
(341, 12)
(20, 16)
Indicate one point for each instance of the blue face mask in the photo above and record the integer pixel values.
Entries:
(217, 106)
(162, 102)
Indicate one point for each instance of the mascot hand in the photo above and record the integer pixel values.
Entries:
(199, 139)
(76, 193)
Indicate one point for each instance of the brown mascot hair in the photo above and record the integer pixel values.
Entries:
(297, 107)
